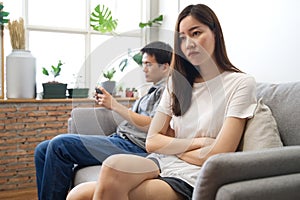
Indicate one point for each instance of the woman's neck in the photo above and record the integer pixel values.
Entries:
(208, 71)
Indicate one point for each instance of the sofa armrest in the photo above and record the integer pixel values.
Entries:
(93, 121)
(276, 188)
(228, 168)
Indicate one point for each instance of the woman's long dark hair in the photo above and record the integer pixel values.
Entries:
(183, 72)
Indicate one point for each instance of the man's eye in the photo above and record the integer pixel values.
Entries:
(182, 38)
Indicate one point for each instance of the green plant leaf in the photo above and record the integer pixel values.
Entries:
(123, 64)
(55, 70)
(109, 74)
(3, 14)
(138, 57)
(101, 20)
(158, 20)
(45, 71)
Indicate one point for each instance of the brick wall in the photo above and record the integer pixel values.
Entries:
(22, 127)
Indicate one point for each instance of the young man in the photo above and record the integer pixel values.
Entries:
(55, 159)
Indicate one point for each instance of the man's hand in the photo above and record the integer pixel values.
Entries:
(105, 99)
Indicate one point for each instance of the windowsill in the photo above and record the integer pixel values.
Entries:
(59, 100)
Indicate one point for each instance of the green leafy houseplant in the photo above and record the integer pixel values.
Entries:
(54, 89)
(109, 74)
(109, 85)
(101, 20)
(3, 16)
(55, 70)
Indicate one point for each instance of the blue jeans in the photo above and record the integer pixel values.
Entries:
(55, 159)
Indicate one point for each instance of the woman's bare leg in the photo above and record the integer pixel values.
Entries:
(122, 173)
(83, 191)
(154, 189)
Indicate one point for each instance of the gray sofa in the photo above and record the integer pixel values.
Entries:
(264, 174)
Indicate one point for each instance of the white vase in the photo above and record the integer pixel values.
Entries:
(20, 75)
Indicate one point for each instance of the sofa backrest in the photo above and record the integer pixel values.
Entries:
(284, 102)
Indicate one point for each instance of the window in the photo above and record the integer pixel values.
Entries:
(59, 30)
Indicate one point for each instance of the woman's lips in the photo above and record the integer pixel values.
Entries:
(193, 53)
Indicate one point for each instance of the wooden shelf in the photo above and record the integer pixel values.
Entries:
(131, 99)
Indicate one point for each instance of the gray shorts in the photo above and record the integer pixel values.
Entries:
(178, 185)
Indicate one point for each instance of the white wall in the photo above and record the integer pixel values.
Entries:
(108, 55)
(262, 36)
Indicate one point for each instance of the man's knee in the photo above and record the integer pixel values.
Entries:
(41, 148)
(61, 140)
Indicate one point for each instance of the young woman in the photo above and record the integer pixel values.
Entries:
(206, 103)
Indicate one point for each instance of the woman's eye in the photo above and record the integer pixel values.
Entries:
(196, 33)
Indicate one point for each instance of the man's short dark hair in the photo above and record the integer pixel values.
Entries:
(160, 50)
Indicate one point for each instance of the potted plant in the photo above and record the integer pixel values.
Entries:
(131, 92)
(54, 89)
(109, 85)
(78, 91)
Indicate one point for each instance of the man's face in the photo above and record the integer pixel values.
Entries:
(154, 72)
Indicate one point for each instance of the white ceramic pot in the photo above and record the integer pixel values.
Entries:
(20, 75)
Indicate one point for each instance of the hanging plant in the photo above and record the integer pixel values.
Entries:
(158, 20)
(101, 20)
(137, 57)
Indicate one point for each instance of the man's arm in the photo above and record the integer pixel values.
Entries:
(142, 122)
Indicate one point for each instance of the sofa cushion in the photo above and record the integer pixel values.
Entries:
(261, 130)
(284, 102)
(87, 174)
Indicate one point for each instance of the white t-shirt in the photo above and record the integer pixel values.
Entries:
(230, 94)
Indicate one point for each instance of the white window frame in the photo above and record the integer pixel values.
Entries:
(87, 31)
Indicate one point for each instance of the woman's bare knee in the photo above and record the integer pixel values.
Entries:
(130, 164)
(120, 169)
(83, 191)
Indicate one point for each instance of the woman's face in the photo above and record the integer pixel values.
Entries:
(197, 40)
